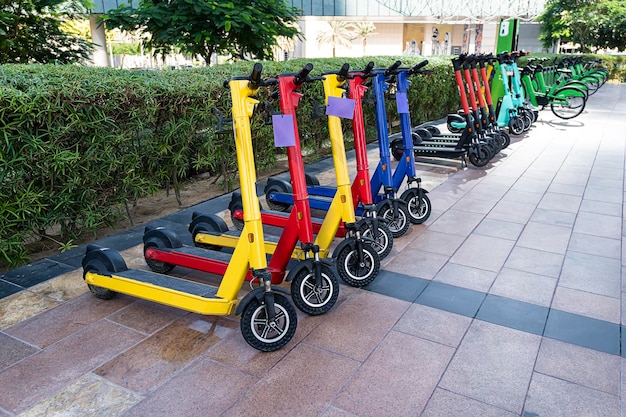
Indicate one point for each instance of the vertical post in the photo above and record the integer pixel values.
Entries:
(100, 57)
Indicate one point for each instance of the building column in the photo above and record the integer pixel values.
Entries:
(98, 37)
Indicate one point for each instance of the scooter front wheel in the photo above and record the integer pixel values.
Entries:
(383, 243)
(516, 125)
(419, 209)
(398, 223)
(480, 157)
(311, 299)
(265, 335)
(354, 272)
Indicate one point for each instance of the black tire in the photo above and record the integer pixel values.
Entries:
(504, 138)
(399, 224)
(277, 187)
(102, 261)
(311, 180)
(527, 118)
(311, 300)
(355, 274)
(516, 125)
(208, 224)
(381, 244)
(256, 329)
(397, 149)
(238, 223)
(434, 130)
(570, 108)
(418, 212)
(158, 266)
(480, 158)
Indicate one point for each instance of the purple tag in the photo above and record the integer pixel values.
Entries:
(402, 102)
(340, 107)
(283, 130)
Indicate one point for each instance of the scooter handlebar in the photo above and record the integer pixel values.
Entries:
(301, 77)
(343, 72)
(368, 68)
(255, 76)
(393, 67)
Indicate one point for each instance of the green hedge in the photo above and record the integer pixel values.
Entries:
(78, 144)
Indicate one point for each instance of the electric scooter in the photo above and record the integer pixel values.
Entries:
(357, 262)
(278, 191)
(314, 285)
(268, 319)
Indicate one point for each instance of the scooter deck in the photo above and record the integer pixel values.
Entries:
(172, 283)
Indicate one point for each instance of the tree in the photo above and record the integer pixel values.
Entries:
(339, 33)
(592, 24)
(203, 27)
(31, 31)
(363, 30)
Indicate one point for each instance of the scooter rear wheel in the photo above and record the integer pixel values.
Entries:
(480, 158)
(314, 300)
(355, 273)
(399, 224)
(418, 211)
(397, 149)
(259, 333)
(516, 125)
(275, 205)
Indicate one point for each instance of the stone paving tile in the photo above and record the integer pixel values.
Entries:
(545, 237)
(21, 306)
(499, 229)
(548, 396)
(513, 314)
(595, 245)
(587, 304)
(595, 274)
(32, 380)
(433, 324)
(605, 181)
(601, 207)
(69, 317)
(606, 194)
(87, 396)
(13, 351)
(205, 387)
(524, 286)
(593, 369)
(560, 202)
(335, 412)
(522, 197)
(158, 357)
(584, 331)
(531, 185)
(145, 316)
(488, 192)
(311, 377)
(474, 205)
(571, 177)
(512, 211)
(63, 287)
(534, 261)
(435, 242)
(598, 225)
(417, 263)
(456, 222)
(557, 218)
(339, 331)
(493, 364)
(466, 277)
(448, 404)
(570, 189)
(397, 379)
(483, 252)
(400, 286)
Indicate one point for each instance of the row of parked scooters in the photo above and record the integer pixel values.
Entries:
(480, 130)
(365, 215)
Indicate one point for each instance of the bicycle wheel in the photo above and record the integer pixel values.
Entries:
(568, 103)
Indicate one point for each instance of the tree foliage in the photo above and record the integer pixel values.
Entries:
(31, 31)
(203, 27)
(593, 24)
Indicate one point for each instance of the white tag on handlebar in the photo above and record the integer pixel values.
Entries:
(284, 130)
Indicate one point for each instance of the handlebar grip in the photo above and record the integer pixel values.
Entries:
(255, 76)
(368, 68)
(343, 72)
(303, 74)
(393, 67)
(420, 65)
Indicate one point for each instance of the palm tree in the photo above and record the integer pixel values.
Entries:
(339, 33)
(363, 30)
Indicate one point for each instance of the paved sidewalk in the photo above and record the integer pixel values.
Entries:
(508, 302)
